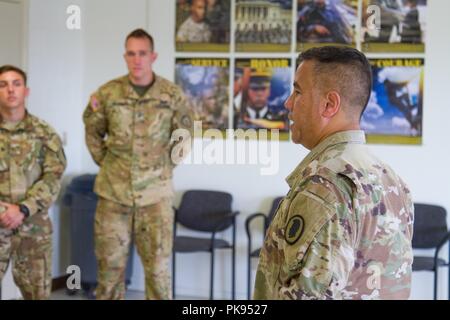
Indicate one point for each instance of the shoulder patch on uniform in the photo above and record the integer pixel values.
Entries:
(94, 103)
(294, 229)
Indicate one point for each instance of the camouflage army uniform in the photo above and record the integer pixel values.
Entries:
(32, 162)
(194, 32)
(130, 138)
(343, 231)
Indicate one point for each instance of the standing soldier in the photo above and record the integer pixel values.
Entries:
(32, 163)
(344, 230)
(129, 124)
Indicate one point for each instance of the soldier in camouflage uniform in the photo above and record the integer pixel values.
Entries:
(130, 123)
(32, 162)
(195, 29)
(344, 230)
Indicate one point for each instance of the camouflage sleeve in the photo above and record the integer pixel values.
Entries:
(319, 261)
(44, 191)
(182, 129)
(95, 123)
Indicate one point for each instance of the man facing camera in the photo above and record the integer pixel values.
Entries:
(32, 162)
(130, 124)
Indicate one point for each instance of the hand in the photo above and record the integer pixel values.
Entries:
(11, 218)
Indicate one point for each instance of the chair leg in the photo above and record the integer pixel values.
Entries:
(173, 275)
(435, 282)
(233, 276)
(211, 285)
(233, 267)
(249, 268)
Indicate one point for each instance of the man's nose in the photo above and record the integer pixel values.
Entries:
(288, 103)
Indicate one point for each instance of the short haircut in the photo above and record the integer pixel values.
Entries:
(8, 68)
(141, 34)
(345, 69)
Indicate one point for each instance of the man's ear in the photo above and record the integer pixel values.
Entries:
(154, 56)
(27, 92)
(332, 104)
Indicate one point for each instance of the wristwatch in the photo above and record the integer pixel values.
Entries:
(24, 209)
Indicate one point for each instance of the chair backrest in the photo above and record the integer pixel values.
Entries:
(205, 210)
(272, 212)
(430, 225)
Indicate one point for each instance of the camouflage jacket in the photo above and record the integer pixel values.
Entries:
(130, 137)
(343, 231)
(32, 162)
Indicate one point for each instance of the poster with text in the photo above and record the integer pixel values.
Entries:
(203, 25)
(205, 84)
(326, 22)
(263, 25)
(393, 25)
(261, 87)
(394, 112)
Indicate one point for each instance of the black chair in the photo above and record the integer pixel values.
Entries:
(205, 211)
(254, 253)
(430, 232)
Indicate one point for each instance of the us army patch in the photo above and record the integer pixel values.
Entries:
(294, 229)
(94, 104)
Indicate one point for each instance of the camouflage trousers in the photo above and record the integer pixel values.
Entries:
(151, 228)
(31, 263)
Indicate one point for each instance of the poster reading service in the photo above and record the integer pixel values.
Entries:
(394, 112)
(203, 25)
(263, 25)
(326, 22)
(205, 84)
(393, 26)
(261, 86)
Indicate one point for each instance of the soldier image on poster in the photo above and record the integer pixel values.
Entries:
(264, 87)
(394, 112)
(205, 83)
(203, 25)
(263, 25)
(402, 26)
(326, 21)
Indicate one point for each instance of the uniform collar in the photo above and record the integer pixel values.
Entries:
(25, 124)
(262, 112)
(350, 136)
(132, 94)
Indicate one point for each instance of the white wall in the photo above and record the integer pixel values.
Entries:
(66, 66)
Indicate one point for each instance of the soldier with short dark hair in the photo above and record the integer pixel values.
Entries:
(32, 162)
(344, 230)
(130, 124)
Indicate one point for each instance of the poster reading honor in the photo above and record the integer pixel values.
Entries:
(203, 25)
(326, 22)
(261, 87)
(393, 26)
(394, 112)
(205, 83)
(263, 25)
